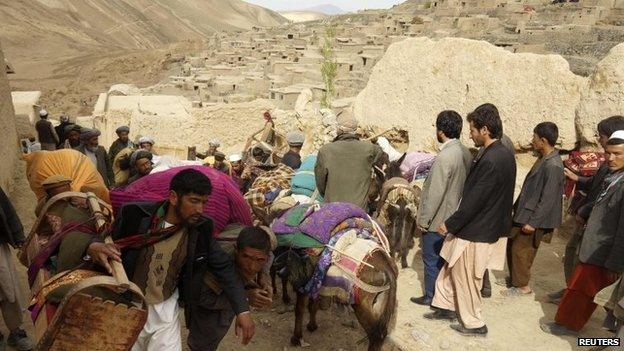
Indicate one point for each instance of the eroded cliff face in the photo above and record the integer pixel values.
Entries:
(8, 141)
(418, 78)
(604, 96)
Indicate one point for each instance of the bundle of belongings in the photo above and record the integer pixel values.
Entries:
(303, 185)
(417, 165)
(329, 243)
(225, 204)
(68, 162)
(584, 164)
(268, 187)
(70, 293)
(391, 191)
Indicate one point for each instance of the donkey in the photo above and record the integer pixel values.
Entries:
(398, 206)
(375, 311)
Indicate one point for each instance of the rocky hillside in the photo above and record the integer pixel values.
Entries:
(47, 27)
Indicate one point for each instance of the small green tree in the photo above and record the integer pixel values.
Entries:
(329, 68)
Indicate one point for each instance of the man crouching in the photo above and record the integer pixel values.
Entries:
(211, 319)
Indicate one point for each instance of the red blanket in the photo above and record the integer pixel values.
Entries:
(226, 204)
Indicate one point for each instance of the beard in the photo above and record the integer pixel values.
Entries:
(92, 148)
(190, 220)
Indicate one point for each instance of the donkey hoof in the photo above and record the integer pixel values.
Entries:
(295, 341)
(312, 327)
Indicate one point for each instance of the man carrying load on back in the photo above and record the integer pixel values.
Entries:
(167, 247)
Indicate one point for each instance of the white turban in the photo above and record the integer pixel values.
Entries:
(144, 140)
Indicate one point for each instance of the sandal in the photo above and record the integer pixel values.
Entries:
(514, 292)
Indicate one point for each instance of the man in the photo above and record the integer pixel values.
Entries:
(122, 142)
(343, 167)
(592, 187)
(46, 133)
(97, 154)
(220, 164)
(212, 318)
(170, 244)
(236, 163)
(60, 130)
(292, 158)
(602, 248)
(476, 232)
(141, 162)
(11, 234)
(72, 132)
(146, 143)
(538, 210)
(440, 195)
(213, 146)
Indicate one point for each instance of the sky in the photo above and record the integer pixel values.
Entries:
(347, 5)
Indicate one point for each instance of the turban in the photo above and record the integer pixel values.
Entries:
(295, 138)
(139, 154)
(122, 129)
(88, 133)
(147, 140)
(43, 113)
(235, 158)
(214, 142)
(72, 127)
(346, 122)
(219, 156)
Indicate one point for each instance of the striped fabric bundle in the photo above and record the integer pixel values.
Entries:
(267, 184)
(225, 205)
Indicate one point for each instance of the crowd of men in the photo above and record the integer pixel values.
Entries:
(469, 221)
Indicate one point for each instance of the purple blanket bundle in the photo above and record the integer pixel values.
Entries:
(319, 221)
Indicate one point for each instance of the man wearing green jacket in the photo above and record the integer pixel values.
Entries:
(343, 167)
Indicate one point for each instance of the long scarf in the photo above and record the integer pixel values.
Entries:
(155, 234)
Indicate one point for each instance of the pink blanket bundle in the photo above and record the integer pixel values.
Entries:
(225, 205)
(416, 163)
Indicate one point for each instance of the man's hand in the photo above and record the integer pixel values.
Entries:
(570, 175)
(100, 253)
(442, 229)
(245, 327)
(527, 229)
(259, 298)
(265, 284)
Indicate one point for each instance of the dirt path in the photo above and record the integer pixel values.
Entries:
(513, 322)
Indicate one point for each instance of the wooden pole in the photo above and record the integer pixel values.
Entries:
(118, 270)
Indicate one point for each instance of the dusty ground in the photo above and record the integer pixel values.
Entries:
(513, 322)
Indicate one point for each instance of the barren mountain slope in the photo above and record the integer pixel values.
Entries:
(72, 50)
(46, 27)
